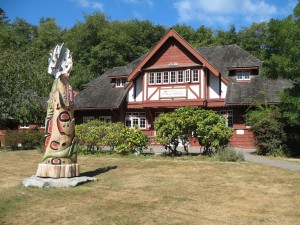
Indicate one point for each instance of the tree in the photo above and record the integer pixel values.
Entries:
(226, 37)
(48, 35)
(203, 37)
(253, 39)
(186, 32)
(167, 132)
(18, 97)
(282, 60)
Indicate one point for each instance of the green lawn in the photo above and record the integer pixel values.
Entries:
(151, 191)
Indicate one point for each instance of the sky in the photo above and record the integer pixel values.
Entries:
(216, 14)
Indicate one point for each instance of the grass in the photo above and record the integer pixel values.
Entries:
(151, 191)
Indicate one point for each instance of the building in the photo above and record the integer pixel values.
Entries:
(174, 74)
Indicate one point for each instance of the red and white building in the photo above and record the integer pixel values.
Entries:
(174, 74)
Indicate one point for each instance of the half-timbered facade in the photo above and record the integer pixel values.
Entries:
(174, 74)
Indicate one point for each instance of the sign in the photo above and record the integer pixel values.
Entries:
(172, 93)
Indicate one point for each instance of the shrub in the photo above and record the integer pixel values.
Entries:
(96, 134)
(212, 131)
(91, 135)
(268, 129)
(207, 126)
(229, 155)
(12, 138)
(30, 139)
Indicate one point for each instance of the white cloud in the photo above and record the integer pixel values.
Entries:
(92, 4)
(212, 12)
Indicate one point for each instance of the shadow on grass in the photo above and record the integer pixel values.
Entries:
(98, 171)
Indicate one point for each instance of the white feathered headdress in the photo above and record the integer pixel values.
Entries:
(60, 61)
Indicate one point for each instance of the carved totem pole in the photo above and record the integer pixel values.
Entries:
(60, 158)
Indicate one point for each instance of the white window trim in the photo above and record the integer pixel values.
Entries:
(158, 74)
(105, 118)
(24, 126)
(187, 76)
(243, 75)
(180, 82)
(87, 118)
(193, 80)
(166, 73)
(228, 114)
(173, 82)
(150, 76)
(130, 116)
(120, 82)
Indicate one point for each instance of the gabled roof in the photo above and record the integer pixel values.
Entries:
(259, 90)
(171, 34)
(229, 56)
(101, 93)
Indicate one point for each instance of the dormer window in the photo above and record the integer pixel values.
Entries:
(120, 82)
(243, 75)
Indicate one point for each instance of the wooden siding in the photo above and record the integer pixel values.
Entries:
(172, 54)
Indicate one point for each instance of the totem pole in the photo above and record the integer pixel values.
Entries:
(60, 157)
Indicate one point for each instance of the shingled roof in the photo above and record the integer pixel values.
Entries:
(229, 56)
(260, 89)
(100, 92)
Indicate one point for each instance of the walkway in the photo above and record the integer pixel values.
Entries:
(248, 156)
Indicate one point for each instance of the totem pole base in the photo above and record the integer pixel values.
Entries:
(58, 171)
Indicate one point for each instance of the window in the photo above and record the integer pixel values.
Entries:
(87, 118)
(156, 117)
(243, 75)
(138, 119)
(127, 122)
(239, 75)
(24, 125)
(173, 77)
(187, 76)
(120, 82)
(143, 123)
(158, 78)
(228, 114)
(195, 76)
(135, 122)
(157, 114)
(230, 118)
(180, 76)
(247, 75)
(151, 78)
(105, 118)
(166, 77)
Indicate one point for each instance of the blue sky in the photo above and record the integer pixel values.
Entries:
(217, 14)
